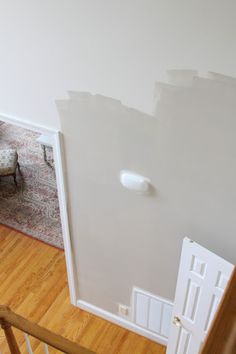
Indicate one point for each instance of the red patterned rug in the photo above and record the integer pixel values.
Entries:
(32, 207)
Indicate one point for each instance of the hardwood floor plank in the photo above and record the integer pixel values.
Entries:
(33, 282)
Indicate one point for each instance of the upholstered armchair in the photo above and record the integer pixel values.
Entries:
(9, 163)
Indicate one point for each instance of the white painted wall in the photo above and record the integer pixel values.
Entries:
(117, 48)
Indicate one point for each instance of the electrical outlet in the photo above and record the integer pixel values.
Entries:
(123, 310)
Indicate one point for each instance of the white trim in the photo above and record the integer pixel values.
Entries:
(161, 316)
(56, 137)
(144, 292)
(83, 305)
(147, 293)
(71, 275)
(20, 122)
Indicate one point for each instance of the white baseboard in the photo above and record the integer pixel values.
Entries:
(24, 123)
(83, 305)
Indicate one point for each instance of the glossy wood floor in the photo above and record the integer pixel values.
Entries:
(33, 283)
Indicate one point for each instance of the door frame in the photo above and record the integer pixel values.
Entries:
(61, 190)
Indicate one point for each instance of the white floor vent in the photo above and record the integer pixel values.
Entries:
(152, 312)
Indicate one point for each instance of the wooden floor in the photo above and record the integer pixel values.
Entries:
(33, 283)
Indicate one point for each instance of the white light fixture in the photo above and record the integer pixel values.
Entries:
(134, 182)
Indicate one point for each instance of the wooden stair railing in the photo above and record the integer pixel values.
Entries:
(9, 319)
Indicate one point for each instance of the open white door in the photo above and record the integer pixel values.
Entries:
(202, 279)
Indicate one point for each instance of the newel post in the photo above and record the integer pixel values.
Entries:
(11, 340)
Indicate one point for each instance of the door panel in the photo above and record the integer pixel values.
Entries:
(184, 339)
(221, 337)
(202, 279)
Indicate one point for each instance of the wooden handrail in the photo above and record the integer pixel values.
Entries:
(9, 318)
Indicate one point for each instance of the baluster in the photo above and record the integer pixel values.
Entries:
(46, 348)
(28, 345)
(11, 340)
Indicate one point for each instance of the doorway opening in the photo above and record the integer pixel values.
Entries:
(39, 151)
(31, 204)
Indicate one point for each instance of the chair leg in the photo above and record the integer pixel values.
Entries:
(15, 181)
(18, 166)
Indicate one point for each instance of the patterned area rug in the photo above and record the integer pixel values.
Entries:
(32, 207)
